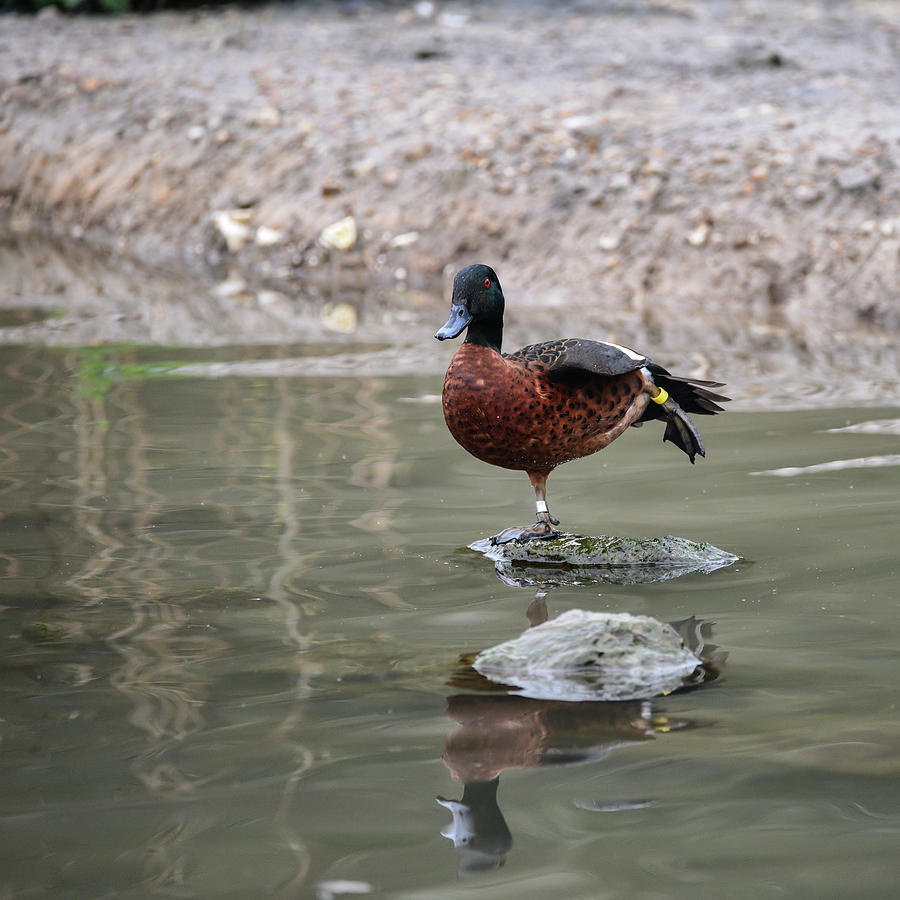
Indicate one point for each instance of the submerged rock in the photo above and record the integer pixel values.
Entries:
(583, 655)
(573, 558)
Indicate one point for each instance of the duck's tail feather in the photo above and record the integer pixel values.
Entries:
(686, 395)
(693, 395)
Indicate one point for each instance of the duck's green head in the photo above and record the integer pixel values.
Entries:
(477, 304)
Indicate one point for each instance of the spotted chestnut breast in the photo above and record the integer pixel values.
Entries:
(506, 410)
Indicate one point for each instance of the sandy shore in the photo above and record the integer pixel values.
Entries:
(679, 173)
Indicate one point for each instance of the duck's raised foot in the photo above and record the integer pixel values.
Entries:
(525, 533)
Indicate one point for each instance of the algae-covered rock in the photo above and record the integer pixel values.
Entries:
(573, 558)
(583, 655)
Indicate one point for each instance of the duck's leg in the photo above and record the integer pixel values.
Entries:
(545, 525)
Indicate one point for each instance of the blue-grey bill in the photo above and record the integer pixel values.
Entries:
(459, 319)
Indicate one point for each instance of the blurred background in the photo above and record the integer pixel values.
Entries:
(236, 600)
(719, 176)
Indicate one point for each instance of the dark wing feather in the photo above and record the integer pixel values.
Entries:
(574, 355)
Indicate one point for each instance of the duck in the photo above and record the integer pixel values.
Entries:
(549, 403)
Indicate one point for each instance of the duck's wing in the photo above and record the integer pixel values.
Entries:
(570, 356)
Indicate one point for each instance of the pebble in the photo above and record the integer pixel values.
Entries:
(340, 235)
(806, 193)
(404, 240)
(267, 237)
(856, 178)
(584, 128)
(340, 317)
(232, 225)
(231, 287)
(698, 236)
(608, 242)
(265, 115)
(363, 167)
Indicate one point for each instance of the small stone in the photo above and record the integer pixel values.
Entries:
(698, 236)
(196, 133)
(887, 227)
(856, 178)
(807, 193)
(584, 128)
(230, 287)
(363, 167)
(404, 240)
(829, 152)
(271, 299)
(340, 317)
(232, 225)
(267, 116)
(330, 188)
(420, 151)
(390, 177)
(267, 237)
(608, 242)
(340, 235)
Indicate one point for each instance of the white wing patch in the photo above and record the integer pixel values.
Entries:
(637, 357)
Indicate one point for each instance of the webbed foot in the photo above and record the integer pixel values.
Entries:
(543, 528)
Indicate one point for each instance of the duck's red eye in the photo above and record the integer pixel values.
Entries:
(487, 282)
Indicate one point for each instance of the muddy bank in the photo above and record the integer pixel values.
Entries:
(66, 293)
(717, 173)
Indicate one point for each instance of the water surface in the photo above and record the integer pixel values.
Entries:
(233, 609)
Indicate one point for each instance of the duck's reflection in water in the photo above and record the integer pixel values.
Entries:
(497, 731)
(509, 732)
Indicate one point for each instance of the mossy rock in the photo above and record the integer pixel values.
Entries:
(583, 655)
(574, 558)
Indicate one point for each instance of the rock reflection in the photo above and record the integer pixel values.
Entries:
(500, 731)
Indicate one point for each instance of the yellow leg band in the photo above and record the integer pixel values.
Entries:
(661, 397)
